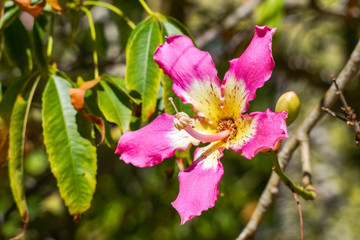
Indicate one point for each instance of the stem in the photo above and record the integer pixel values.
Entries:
(116, 10)
(51, 37)
(307, 195)
(25, 226)
(146, 7)
(93, 37)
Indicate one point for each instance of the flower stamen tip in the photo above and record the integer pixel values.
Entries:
(172, 102)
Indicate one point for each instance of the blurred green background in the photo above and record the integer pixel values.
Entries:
(314, 39)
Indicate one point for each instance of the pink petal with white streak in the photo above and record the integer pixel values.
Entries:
(153, 143)
(254, 67)
(193, 73)
(199, 183)
(264, 130)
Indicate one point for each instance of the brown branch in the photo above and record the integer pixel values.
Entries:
(305, 161)
(300, 216)
(334, 114)
(350, 116)
(347, 74)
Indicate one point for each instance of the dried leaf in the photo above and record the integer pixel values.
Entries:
(77, 100)
(34, 10)
(55, 5)
(77, 94)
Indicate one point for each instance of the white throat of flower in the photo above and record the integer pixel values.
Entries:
(182, 121)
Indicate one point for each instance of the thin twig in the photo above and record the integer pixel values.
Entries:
(339, 92)
(146, 8)
(300, 216)
(332, 113)
(93, 38)
(305, 162)
(347, 74)
(116, 10)
(25, 226)
(350, 116)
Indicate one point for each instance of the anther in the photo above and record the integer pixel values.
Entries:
(181, 119)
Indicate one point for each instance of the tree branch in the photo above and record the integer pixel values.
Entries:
(347, 74)
(228, 23)
(305, 161)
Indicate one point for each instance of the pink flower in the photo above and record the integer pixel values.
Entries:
(220, 120)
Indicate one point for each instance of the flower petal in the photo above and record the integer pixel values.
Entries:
(193, 73)
(199, 183)
(250, 71)
(153, 143)
(259, 131)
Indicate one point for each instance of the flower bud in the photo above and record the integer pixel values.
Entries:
(289, 102)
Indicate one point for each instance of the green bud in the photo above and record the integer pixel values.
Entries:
(289, 102)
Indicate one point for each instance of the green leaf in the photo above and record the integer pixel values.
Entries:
(270, 13)
(9, 97)
(92, 107)
(9, 16)
(16, 156)
(120, 84)
(17, 45)
(72, 157)
(16, 150)
(168, 92)
(6, 107)
(115, 106)
(39, 52)
(142, 73)
(173, 27)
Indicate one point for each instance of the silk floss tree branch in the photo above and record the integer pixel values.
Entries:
(221, 120)
(349, 114)
(346, 75)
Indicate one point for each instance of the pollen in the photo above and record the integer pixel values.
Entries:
(228, 124)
